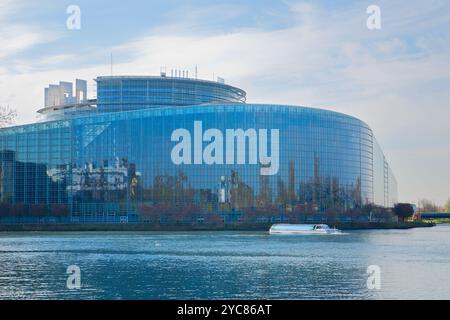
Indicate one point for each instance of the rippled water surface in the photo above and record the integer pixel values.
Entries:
(226, 265)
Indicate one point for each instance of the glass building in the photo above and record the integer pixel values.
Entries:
(171, 149)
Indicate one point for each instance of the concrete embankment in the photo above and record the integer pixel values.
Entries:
(194, 227)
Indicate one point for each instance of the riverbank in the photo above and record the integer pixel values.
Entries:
(385, 225)
(195, 227)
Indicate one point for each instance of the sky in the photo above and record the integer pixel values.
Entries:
(309, 53)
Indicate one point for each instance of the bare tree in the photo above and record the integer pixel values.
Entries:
(7, 116)
(447, 205)
(426, 205)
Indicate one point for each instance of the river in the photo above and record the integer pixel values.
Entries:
(413, 264)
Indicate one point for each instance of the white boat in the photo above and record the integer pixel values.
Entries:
(303, 229)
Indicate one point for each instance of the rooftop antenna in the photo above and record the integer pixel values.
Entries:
(111, 64)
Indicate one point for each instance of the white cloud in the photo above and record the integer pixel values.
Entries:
(18, 40)
(391, 46)
(16, 37)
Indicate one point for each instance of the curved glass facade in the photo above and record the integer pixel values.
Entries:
(125, 93)
(204, 159)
